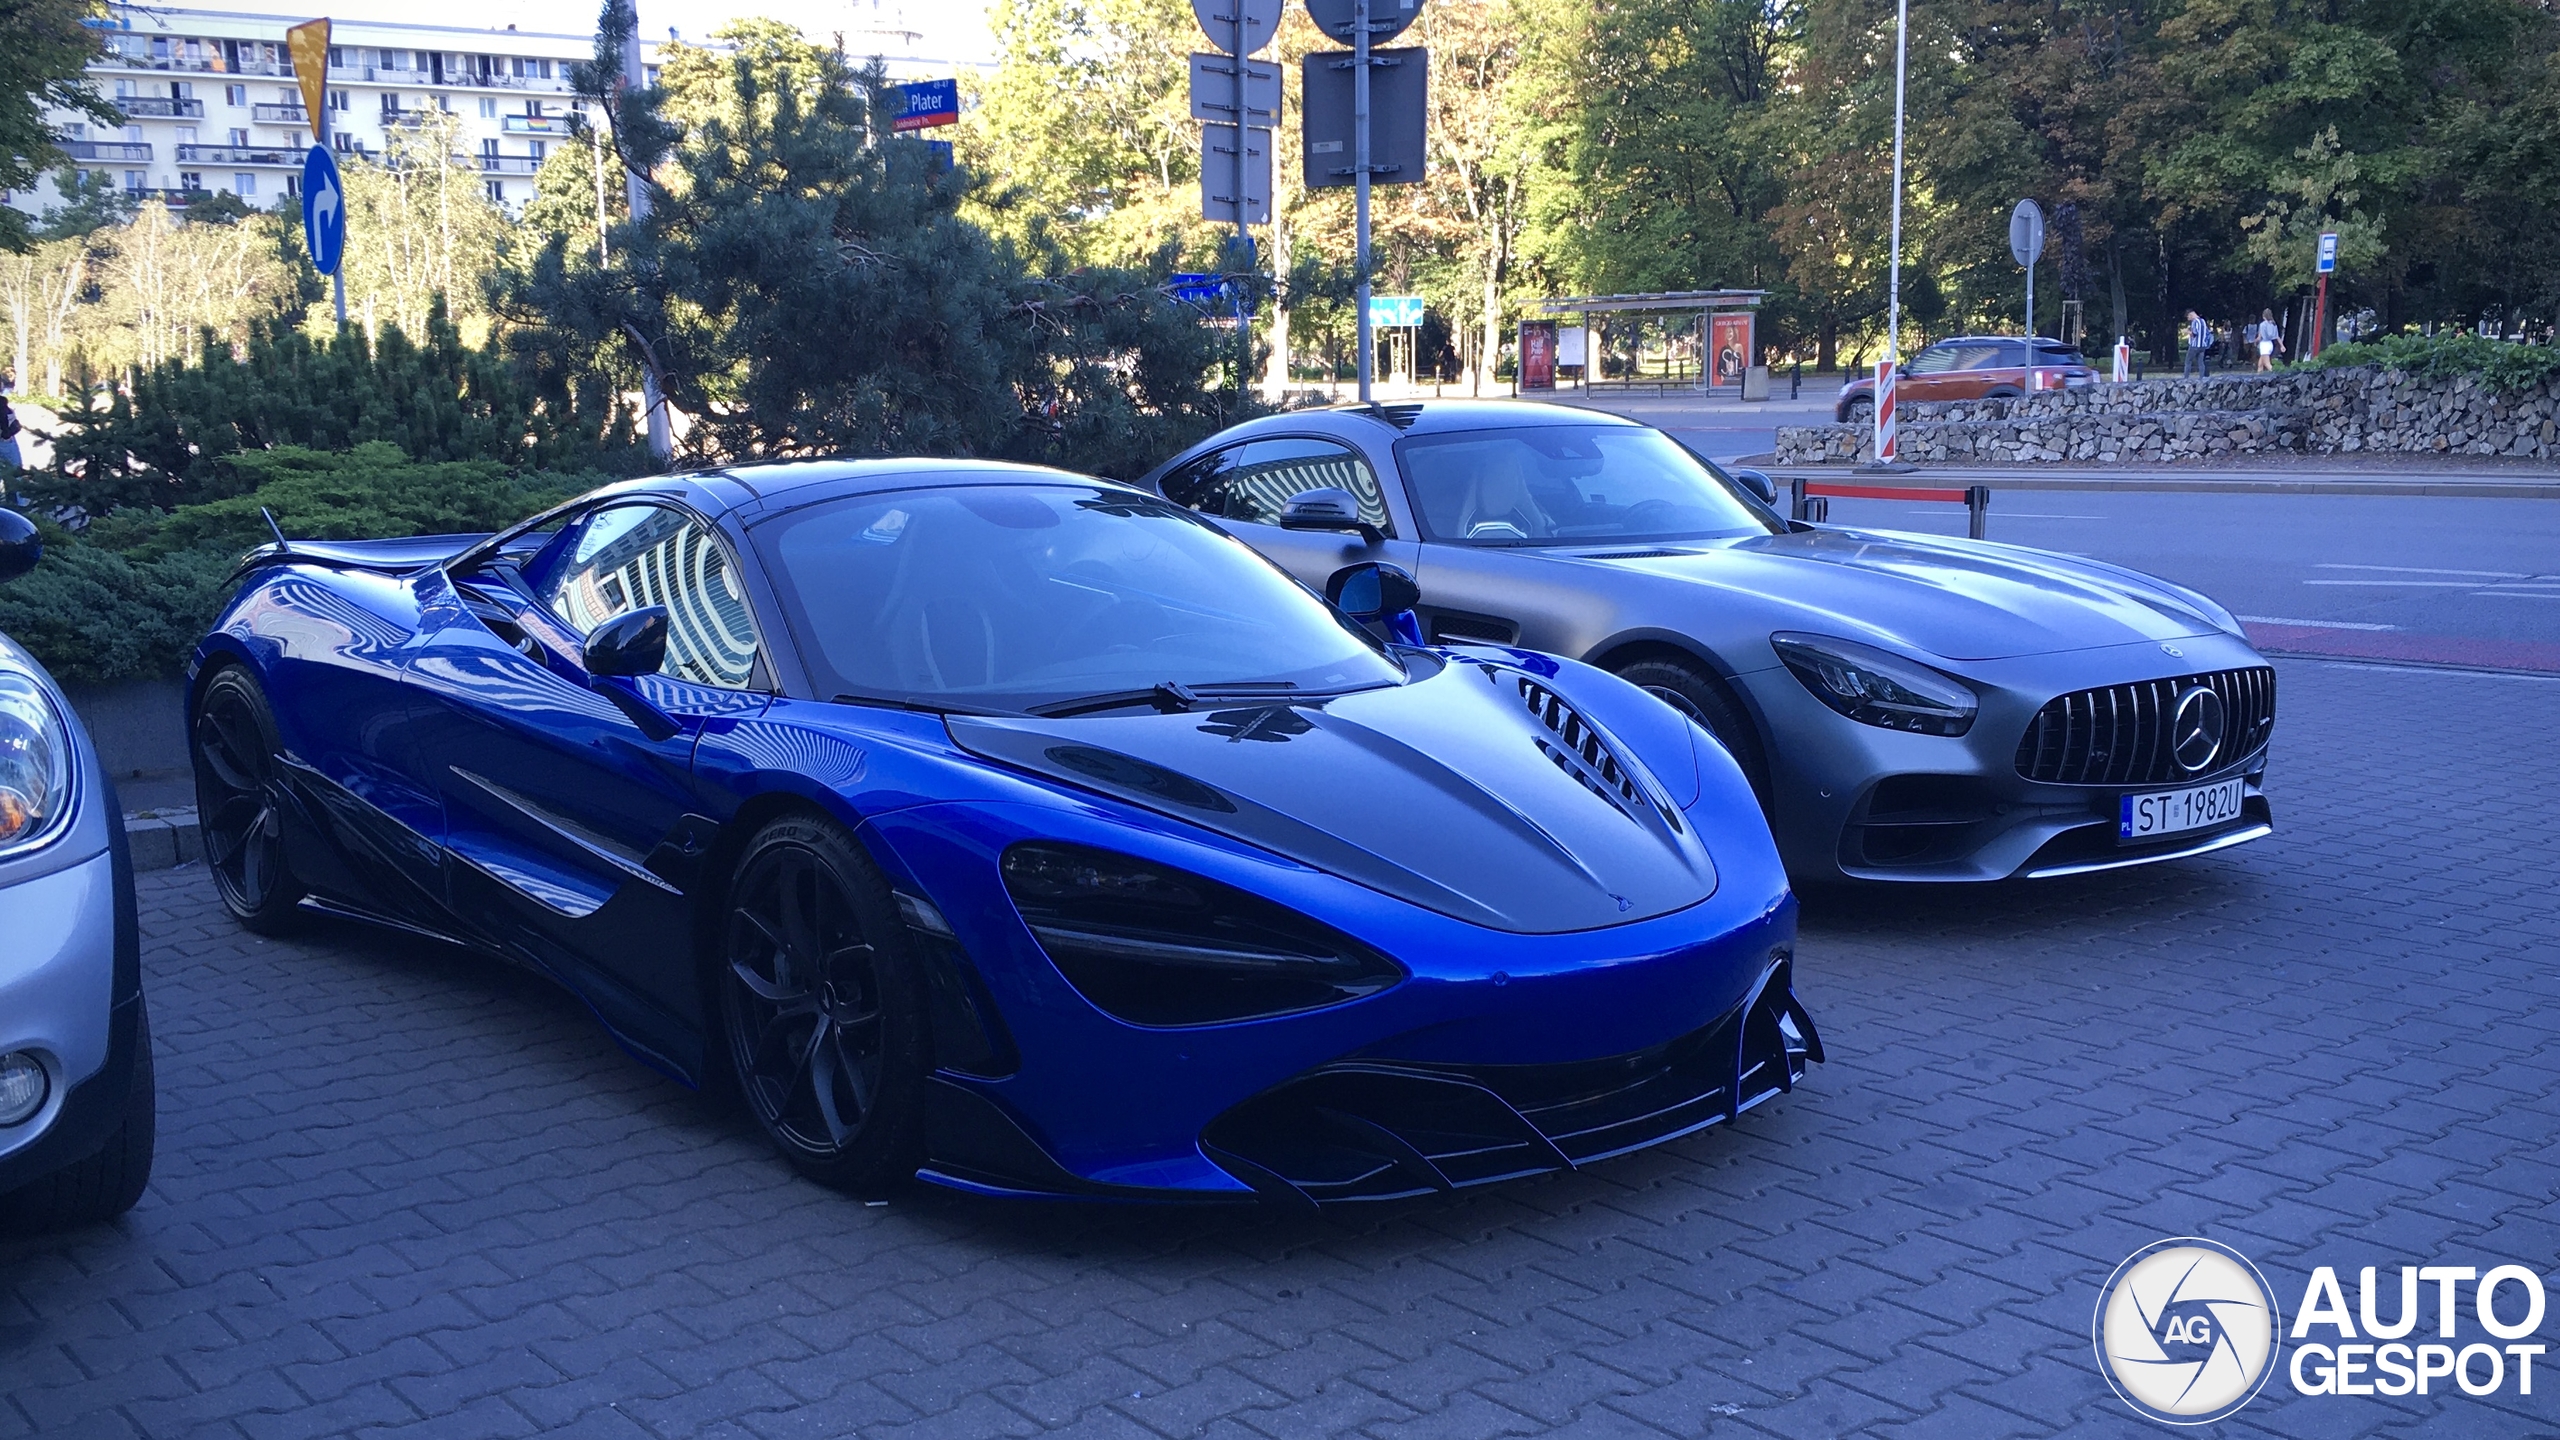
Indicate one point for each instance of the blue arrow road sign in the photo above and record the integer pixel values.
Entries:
(2328, 252)
(324, 210)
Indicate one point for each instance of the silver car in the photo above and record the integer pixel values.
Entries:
(76, 1098)
(1907, 707)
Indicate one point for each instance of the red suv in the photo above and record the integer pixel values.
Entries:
(1970, 367)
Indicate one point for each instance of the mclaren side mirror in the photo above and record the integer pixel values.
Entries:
(20, 546)
(632, 644)
(1758, 483)
(1372, 591)
(1327, 507)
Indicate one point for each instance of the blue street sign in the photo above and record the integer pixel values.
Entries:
(2328, 252)
(1394, 312)
(324, 210)
(927, 103)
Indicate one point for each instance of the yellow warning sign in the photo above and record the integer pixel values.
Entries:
(309, 45)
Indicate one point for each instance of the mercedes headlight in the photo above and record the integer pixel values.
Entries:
(1874, 687)
(1153, 945)
(35, 762)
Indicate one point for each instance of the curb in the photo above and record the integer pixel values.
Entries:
(163, 839)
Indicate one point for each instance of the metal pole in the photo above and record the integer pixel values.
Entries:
(1244, 123)
(1360, 186)
(2319, 322)
(340, 276)
(635, 190)
(1893, 277)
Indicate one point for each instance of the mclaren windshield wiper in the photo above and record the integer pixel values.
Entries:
(1170, 696)
(910, 702)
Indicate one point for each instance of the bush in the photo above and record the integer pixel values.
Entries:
(2497, 364)
(171, 438)
(128, 597)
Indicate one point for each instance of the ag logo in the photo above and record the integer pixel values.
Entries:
(2186, 1331)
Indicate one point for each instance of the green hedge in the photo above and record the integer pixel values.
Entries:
(127, 597)
(2498, 364)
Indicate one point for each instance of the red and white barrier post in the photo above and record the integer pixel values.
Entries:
(1885, 448)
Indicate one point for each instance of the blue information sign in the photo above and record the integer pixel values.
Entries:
(2328, 252)
(927, 103)
(324, 210)
(1394, 312)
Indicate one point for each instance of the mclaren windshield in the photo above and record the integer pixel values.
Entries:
(1571, 485)
(1045, 597)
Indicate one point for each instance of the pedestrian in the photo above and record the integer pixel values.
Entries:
(2199, 346)
(2270, 338)
(10, 463)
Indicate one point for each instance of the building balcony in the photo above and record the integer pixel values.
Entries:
(453, 79)
(505, 164)
(159, 107)
(105, 150)
(275, 114)
(562, 125)
(116, 59)
(232, 155)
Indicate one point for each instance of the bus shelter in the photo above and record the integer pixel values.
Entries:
(1710, 340)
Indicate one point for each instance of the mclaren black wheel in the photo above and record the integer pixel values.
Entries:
(240, 803)
(823, 1008)
(1687, 688)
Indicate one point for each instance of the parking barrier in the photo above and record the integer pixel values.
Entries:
(1813, 500)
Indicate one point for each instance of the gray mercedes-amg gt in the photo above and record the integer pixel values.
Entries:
(1908, 707)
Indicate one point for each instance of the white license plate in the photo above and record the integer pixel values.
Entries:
(2171, 812)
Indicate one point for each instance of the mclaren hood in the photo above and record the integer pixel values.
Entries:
(1960, 599)
(1480, 792)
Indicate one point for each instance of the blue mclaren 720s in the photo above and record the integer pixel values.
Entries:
(1014, 831)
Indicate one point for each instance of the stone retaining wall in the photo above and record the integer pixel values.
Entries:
(2320, 412)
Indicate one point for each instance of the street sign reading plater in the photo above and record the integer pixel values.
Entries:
(924, 104)
(1399, 93)
(1387, 18)
(2329, 252)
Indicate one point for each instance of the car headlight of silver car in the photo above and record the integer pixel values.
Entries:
(1874, 687)
(35, 762)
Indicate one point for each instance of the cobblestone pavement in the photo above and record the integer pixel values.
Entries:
(405, 1189)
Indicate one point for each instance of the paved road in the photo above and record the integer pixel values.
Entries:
(2466, 581)
(407, 1191)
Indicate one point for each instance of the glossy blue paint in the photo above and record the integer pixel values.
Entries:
(1564, 870)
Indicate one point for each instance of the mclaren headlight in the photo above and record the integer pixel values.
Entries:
(1875, 687)
(35, 761)
(1153, 945)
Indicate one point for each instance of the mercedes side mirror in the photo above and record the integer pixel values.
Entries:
(1327, 507)
(20, 546)
(632, 644)
(1758, 483)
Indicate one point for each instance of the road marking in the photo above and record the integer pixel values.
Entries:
(2522, 594)
(2405, 584)
(2311, 624)
(2425, 570)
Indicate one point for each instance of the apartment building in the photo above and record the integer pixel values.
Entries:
(211, 103)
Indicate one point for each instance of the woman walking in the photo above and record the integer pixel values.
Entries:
(2270, 338)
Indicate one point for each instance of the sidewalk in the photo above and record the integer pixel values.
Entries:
(2269, 475)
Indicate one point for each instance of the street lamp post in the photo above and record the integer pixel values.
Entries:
(1886, 451)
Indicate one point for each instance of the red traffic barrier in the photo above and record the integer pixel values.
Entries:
(1813, 500)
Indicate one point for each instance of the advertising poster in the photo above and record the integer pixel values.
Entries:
(1537, 354)
(1729, 345)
